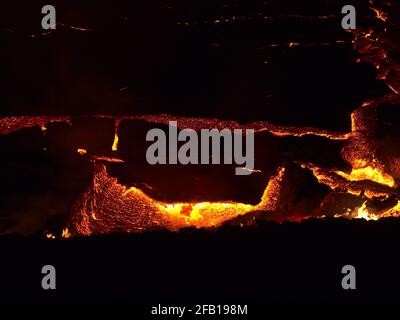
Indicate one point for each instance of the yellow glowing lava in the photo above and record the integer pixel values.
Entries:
(171, 215)
(380, 14)
(369, 173)
(363, 213)
(204, 214)
(116, 137)
(65, 233)
(115, 143)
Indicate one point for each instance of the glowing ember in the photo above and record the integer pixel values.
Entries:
(11, 124)
(66, 233)
(109, 206)
(115, 143)
(116, 138)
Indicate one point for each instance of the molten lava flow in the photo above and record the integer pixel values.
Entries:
(366, 213)
(115, 143)
(363, 213)
(11, 124)
(108, 206)
(392, 212)
(116, 137)
(369, 173)
(359, 213)
(65, 233)
(338, 180)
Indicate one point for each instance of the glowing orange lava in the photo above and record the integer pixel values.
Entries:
(109, 206)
